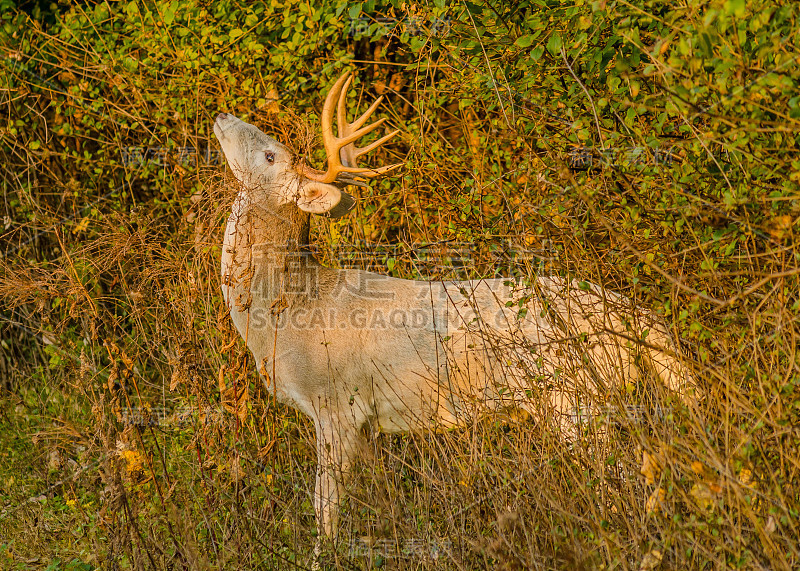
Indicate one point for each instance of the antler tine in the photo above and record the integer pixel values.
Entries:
(347, 129)
(341, 110)
(351, 132)
(341, 151)
(338, 91)
(374, 145)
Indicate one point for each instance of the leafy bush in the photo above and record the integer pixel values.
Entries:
(642, 145)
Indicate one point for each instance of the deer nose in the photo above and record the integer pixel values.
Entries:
(222, 116)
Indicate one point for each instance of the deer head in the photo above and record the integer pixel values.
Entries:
(267, 168)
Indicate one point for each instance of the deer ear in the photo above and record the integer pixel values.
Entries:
(320, 198)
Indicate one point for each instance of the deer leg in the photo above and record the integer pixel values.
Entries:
(336, 446)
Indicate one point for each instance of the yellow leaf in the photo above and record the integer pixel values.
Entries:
(221, 379)
(780, 227)
(234, 399)
(650, 469)
(237, 472)
(771, 526)
(651, 560)
(126, 359)
(82, 225)
(746, 478)
(702, 495)
(179, 377)
(655, 501)
(134, 461)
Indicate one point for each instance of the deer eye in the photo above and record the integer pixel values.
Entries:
(270, 157)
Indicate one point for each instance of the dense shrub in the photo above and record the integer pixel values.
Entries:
(643, 145)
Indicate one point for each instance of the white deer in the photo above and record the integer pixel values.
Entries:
(352, 348)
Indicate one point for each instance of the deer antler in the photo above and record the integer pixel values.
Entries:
(341, 151)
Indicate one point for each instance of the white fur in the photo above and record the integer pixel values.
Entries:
(351, 348)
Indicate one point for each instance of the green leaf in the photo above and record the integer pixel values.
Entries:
(735, 7)
(169, 13)
(524, 41)
(354, 10)
(554, 44)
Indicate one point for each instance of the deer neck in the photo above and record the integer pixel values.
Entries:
(265, 254)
